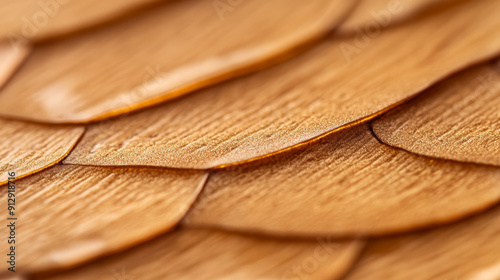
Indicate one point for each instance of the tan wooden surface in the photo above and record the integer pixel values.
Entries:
(459, 119)
(299, 100)
(11, 57)
(32, 20)
(68, 215)
(386, 13)
(27, 148)
(262, 162)
(349, 184)
(466, 250)
(161, 54)
(207, 254)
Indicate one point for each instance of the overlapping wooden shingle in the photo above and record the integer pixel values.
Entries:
(458, 119)
(336, 84)
(466, 250)
(166, 52)
(347, 184)
(292, 168)
(72, 214)
(26, 148)
(30, 20)
(207, 254)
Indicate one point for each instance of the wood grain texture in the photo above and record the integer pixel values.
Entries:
(11, 57)
(458, 119)
(12, 276)
(385, 13)
(347, 184)
(299, 100)
(159, 55)
(27, 148)
(35, 20)
(469, 250)
(71, 214)
(206, 254)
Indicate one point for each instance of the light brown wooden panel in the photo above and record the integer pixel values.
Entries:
(159, 55)
(299, 100)
(71, 214)
(206, 254)
(34, 20)
(458, 119)
(27, 148)
(385, 13)
(11, 57)
(347, 184)
(466, 250)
